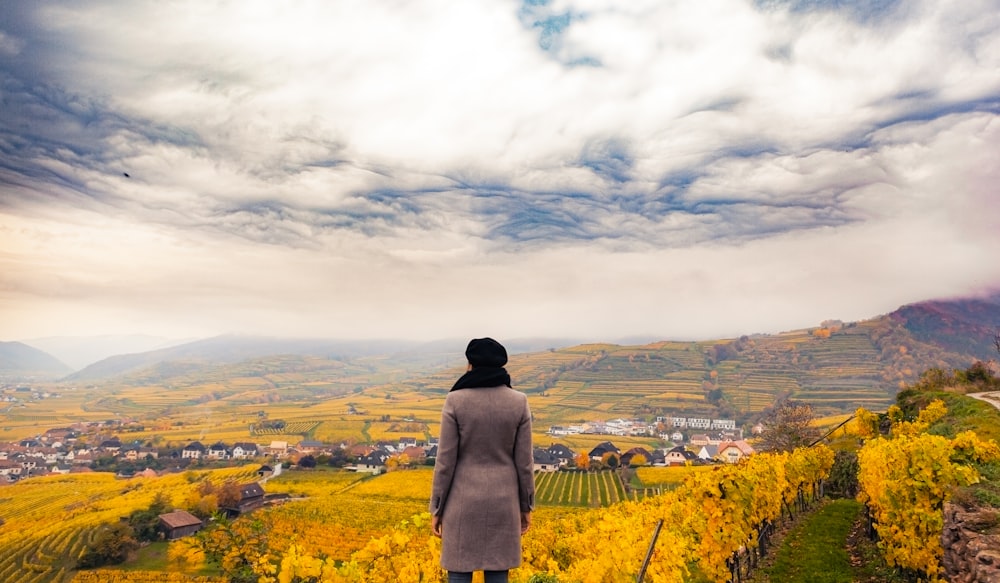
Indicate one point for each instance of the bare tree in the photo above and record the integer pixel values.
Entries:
(788, 426)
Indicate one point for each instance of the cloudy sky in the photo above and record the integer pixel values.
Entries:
(429, 169)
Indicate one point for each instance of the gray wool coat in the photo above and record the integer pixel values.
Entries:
(483, 478)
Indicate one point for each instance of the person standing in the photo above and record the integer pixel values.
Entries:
(484, 486)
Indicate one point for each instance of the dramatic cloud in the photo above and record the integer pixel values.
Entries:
(555, 167)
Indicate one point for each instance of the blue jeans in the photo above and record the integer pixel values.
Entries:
(490, 576)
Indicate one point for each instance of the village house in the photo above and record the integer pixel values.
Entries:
(699, 423)
(81, 458)
(112, 446)
(565, 455)
(602, 448)
(277, 448)
(699, 439)
(618, 426)
(194, 450)
(628, 456)
(387, 446)
(359, 450)
(415, 454)
(310, 447)
(45, 455)
(733, 451)
(217, 451)
(244, 450)
(374, 462)
(679, 456)
(725, 424)
(61, 434)
(544, 461)
(10, 469)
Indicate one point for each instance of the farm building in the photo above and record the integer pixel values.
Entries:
(179, 523)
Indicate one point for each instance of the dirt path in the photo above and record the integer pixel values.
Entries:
(993, 397)
(858, 561)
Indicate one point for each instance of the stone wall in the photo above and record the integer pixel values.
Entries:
(971, 542)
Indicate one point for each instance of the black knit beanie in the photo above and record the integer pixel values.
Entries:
(485, 352)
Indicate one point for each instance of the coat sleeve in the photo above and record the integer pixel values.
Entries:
(444, 465)
(524, 461)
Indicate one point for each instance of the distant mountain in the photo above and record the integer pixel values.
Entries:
(80, 351)
(18, 361)
(963, 326)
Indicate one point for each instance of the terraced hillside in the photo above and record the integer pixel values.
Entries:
(835, 368)
(734, 378)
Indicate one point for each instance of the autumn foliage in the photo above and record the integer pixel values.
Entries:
(905, 479)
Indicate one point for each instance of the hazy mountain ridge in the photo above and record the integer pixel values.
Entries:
(230, 349)
(81, 351)
(877, 355)
(209, 353)
(20, 361)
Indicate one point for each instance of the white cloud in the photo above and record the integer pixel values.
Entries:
(429, 169)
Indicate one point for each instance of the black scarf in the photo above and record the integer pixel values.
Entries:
(483, 377)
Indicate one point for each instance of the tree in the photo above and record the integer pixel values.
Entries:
(145, 523)
(844, 475)
(787, 426)
(307, 461)
(338, 459)
(111, 547)
(229, 495)
(205, 506)
(236, 547)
